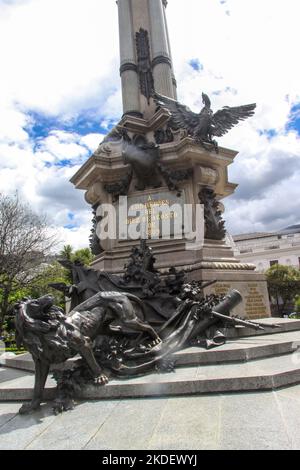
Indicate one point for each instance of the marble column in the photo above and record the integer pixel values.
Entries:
(174, 82)
(150, 16)
(128, 69)
(162, 64)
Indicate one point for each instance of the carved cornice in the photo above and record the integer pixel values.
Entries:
(134, 123)
(136, 114)
(107, 164)
(219, 266)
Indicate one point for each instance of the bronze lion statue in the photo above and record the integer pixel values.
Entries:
(53, 337)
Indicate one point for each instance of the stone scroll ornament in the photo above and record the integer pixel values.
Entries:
(121, 326)
(94, 240)
(207, 124)
(144, 64)
(214, 222)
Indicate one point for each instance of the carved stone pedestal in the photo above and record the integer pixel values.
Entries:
(183, 172)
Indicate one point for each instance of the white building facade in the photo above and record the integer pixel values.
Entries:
(266, 249)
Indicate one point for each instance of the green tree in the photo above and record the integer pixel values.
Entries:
(284, 285)
(51, 274)
(84, 255)
(67, 252)
(25, 243)
(297, 305)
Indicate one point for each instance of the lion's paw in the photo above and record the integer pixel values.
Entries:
(101, 380)
(155, 345)
(62, 405)
(28, 408)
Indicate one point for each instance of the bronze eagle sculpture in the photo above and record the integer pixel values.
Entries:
(203, 126)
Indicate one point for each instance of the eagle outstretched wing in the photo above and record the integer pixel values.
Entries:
(226, 118)
(182, 116)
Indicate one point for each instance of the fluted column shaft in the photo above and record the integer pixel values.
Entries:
(162, 64)
(128, 70)
(144, 20)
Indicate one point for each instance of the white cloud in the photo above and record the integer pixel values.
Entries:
(12, 122)
(47, 188)
(60, 58)
(73, 237)
(92, 141)
(63, 146)
(57, 54)
(248, 51)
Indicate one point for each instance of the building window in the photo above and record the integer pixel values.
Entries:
(273, 263)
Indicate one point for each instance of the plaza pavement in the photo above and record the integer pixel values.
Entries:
(262, 420)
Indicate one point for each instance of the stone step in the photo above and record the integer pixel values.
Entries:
(284, 325)
(240, 349)
(260, 374)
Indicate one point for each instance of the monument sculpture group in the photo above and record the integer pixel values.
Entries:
(121, 326)
(140, 302)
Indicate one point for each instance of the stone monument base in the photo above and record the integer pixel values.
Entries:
(214, 261)
(184, 174)
(252, 286)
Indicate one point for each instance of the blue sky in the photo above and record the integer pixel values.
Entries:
(294, 119)
(60, 94)
(41, 125)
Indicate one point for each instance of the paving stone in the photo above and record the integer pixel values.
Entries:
(254, 439)
(291, 392)
(188, 423)
(8, 411)
(129, 426)
(262, 420)
(252, 421)
(290, 409)
(19, 432)
(74, 429)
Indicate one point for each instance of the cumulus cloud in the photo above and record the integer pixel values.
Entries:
(57, 54)
(246, 52)
(60, 65)
(92, 141)
(62, 146)
(59, 62)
